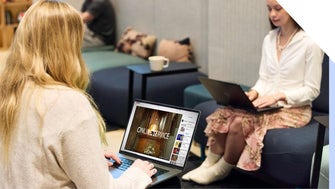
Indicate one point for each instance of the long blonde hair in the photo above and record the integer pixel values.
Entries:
(47, 51)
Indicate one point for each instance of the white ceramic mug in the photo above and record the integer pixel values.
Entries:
(158, 63)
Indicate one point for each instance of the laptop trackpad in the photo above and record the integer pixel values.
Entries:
(116, 173)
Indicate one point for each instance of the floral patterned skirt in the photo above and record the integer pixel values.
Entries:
(254, 127)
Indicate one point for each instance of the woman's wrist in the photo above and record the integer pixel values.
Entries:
(274, 97)
(278, 96)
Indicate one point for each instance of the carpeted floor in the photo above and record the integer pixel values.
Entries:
(234, 180)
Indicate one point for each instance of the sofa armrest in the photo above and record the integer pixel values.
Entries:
(98, 48)
(323, 123)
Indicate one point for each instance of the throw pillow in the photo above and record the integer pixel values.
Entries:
(175, 51)
(136, 43)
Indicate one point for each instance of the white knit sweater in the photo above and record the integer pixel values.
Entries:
(61, 149)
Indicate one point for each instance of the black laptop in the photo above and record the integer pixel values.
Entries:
(231, 94)
(159, 133)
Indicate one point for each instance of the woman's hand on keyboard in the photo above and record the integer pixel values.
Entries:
(112, 157)
(145, 166)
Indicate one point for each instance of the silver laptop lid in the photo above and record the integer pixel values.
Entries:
(160, 132)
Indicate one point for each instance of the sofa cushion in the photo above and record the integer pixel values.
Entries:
(175, 50)
(136, 43)
(321, 103)
(98, 48)
(292, 150)
(109, 89)
(195, 94)
(99, 60)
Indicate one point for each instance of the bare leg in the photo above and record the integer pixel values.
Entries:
(230, 144)
(220, 142)
(235, 142)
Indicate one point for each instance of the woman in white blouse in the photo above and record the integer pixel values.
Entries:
(289, 75)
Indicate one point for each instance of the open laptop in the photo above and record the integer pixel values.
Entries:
(159, 133)
(231, 94)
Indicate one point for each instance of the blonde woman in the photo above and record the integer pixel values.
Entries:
(51, 134)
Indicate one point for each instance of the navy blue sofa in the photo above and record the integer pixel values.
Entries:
(109, 84)
(287, 153)
(109, 89)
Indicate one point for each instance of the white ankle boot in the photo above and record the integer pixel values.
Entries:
(210, 160)
(216, 172)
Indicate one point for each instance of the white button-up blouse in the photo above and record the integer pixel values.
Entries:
(297, 73)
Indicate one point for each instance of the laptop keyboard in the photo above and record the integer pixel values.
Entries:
(126, 163)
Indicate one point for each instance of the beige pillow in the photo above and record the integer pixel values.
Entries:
(136, 43)
(175, 51)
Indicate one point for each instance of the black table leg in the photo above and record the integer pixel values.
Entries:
(323, 122)
(318, 156)
(130, 90)
(144, 87)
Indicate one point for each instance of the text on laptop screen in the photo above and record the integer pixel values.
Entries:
(159, 132)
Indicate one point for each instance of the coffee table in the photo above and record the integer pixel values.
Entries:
(144, 71)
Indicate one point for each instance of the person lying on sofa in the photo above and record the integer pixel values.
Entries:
(289, 75)
(51, 133)
(98, 15)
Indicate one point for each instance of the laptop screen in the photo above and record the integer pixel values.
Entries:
(160, 132)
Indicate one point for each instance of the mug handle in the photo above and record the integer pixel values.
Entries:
(166, 63)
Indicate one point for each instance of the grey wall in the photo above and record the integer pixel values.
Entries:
(236, 32)
(226, 35)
